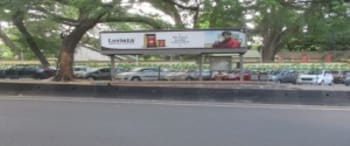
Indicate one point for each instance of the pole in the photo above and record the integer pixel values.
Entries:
(200, 67)
(241, 66)
(112, 67)
(159, 70)
(137, 59)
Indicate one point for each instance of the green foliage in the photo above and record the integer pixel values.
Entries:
(303, 25)
(5, 52)
(224, 13)
(327, 28)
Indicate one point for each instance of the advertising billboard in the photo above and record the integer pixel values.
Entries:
(173, 39)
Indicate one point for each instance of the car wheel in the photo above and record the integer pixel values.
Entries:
(321, 83)
(135, 79)
(189, 79)
(90, 78)
(278, 81)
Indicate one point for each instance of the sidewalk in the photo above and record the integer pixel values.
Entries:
(192, 84)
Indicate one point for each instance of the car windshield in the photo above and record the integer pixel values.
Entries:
(136, 69)
(347, 74)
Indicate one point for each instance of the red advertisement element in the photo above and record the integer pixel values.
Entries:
(304, 58)
(328, 57)
(151, 40)
(161, 43)
(228, 41)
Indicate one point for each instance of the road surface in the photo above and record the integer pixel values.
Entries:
(50, 121)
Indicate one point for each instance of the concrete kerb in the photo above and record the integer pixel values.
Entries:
(269, 96)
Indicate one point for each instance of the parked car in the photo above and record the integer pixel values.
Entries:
(102, 74)
(231, 75)
(344, 75)
(272, 75)
(260, 75)
(321, 77)
(143, 74)
(235, 75)
(176, 75)
(29, 71)
(3, 73)
(347, 79)
(82, 71)
(220, 75)
(188, 75)
(44, 72)
(338, 77)
(195, 74)
(287, 76)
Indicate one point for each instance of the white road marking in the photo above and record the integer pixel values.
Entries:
(177, 103)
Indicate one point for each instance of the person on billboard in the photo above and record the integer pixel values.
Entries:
(228, 42)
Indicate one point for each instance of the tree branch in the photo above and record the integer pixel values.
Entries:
(58, 18)
(193, 8)
(7, 41)
(149, 21)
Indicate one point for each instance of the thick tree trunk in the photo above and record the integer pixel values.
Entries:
(66, 56)
(268, 53)
(271, 43)
(66, 59)
(9, 43)
(18, 22)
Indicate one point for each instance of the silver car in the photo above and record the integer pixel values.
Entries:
(143, 74)
(188, 75)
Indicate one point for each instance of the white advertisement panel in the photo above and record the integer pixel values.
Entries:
(220, 63)
(173, 39)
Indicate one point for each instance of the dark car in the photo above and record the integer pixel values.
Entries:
(102, 74)
(288, 76)
(29, 71)
(3, 73)
(338, 77)
(347, 79)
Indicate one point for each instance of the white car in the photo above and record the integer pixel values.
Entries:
(82, 71)
(142, 74)
(321, 77)
(188, 75)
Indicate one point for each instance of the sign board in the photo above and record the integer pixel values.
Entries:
(173, 40)
(220, 63)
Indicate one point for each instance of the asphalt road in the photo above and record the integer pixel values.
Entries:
(33, 121)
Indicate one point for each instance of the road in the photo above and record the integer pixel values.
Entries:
(50, 121)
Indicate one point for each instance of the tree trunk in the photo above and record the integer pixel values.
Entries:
(268, 53)
(18, 22)
(66, 56)
(9, 43)
(272, 43)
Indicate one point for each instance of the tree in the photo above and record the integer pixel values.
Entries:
(86, 15)
(299, 25)
(221, 13)
(17, 11)
(9, 43)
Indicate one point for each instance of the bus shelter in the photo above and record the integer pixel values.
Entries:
(199, 42)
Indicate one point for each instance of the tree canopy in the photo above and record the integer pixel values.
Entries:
(44, 29)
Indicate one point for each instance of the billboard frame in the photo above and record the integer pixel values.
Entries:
(170, 51)
(176, 51)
